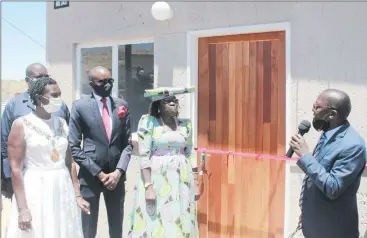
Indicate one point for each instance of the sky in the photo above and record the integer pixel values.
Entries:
(17, 50)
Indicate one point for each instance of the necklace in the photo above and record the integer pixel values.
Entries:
(54, 153)
(57, 131)
(166, 125)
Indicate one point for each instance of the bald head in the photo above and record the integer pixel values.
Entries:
(98, 73)
(35, 70)
(100, 80)
(337, 100)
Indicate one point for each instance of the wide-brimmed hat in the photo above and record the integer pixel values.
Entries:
(160, 93)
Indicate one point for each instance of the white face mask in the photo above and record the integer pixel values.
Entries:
(54, 105)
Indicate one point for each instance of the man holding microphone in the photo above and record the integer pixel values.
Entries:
(333, 171)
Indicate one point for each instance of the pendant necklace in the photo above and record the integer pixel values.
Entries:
(55, 154)
(56, 131)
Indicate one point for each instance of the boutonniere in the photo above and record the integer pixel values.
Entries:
(121, 112)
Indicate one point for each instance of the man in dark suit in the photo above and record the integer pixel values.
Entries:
(328, 199)
(19, 106)
(103, 123)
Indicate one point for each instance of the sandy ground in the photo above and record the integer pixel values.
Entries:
(102, 231)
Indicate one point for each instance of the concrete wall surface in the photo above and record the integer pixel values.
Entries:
(327, 50)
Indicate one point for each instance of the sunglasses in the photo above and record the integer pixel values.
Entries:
(167, 101)
(315, 106)
(103, 81)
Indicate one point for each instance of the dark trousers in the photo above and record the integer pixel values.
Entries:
(114, 201)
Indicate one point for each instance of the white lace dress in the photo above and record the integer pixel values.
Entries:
(48, 186)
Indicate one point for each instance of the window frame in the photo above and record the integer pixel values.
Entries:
(115, 53)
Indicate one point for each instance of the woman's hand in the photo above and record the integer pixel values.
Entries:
(83, 204)
(150, 194)
(150, 198)
(25, 220)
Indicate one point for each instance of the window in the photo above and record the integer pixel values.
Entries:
(131, 66)
(135, 74)
(92, 57)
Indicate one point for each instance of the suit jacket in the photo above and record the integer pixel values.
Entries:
(98, 153)
(329, 208)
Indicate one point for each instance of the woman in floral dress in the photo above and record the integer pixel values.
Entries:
(164, 196)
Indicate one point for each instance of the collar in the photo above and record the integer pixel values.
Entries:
(331, 132)
(99, 98)
(26, 96)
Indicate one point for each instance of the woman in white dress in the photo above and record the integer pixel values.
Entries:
(45, 201)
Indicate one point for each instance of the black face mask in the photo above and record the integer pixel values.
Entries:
(103, 90)
(31, 80)
(321, 124)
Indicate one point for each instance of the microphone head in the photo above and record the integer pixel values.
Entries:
(304, 127)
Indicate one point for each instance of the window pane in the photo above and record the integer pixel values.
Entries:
(136, 64)
(92, 57)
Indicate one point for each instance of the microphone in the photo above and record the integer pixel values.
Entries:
(303, 128)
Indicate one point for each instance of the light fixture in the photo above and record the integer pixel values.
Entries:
(162, 11)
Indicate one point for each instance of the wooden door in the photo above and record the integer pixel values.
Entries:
(242, 108)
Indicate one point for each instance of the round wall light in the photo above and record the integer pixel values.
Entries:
(162, 11)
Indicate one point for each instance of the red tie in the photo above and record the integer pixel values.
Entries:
(106, 117)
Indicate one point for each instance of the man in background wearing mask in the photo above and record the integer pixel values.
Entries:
(103, 123)
(136, 89)
(15, 108)
(328, 199)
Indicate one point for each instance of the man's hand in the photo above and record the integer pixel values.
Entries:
(112, 179)
(102, 176)
(299, 145)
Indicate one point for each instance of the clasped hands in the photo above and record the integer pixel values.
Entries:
(110, 180)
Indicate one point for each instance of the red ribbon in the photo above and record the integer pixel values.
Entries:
(257, 156)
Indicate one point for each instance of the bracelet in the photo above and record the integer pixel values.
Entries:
(21, 214)
(146, 185)
(79, 195)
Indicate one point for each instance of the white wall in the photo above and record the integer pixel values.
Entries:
(328, 49)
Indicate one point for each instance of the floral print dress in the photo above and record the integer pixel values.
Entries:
(169, 155)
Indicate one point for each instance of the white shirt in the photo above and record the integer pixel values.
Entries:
(100, 107)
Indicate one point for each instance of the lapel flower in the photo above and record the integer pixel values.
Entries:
(121, 112)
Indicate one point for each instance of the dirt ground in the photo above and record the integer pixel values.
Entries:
(102, 230)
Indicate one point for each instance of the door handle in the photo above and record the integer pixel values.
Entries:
(202, 163)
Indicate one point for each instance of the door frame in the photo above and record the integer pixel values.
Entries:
(114, 44)
(192, 79)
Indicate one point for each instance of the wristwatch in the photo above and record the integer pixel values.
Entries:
(121, 171)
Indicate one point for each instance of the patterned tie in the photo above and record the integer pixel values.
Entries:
(316, 152)
(106, 118)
